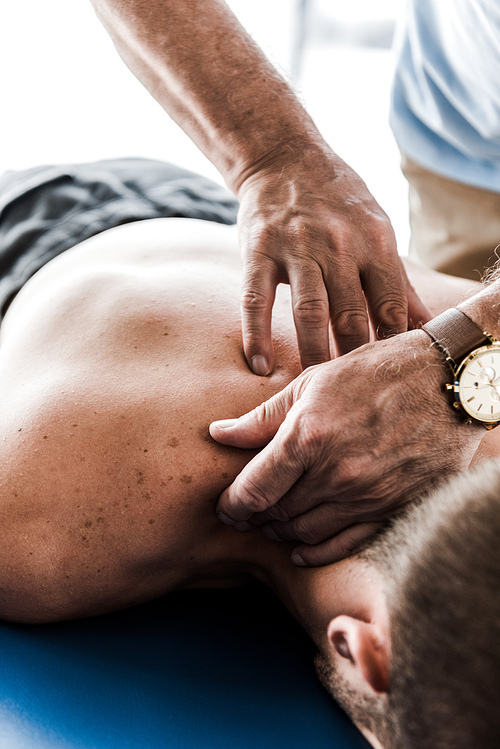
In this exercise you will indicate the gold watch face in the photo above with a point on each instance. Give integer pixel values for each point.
(478, 384)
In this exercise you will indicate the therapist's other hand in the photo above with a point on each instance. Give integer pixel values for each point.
(310, 221)
(350, 442)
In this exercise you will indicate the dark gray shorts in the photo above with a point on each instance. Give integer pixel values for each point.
(46, 210)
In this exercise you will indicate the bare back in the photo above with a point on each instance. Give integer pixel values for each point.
(114, 359)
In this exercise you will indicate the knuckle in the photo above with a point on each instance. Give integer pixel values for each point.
(351, 323)
(307, 433)
(265, 413)
(277, 514)
(302, 529)
(311, 312)
(253, 300)
(392, 314)
(349, 472)
(297, 225)
(342, 547)
(311, 445)
(383, 230)
(347, 249)
(252, 497)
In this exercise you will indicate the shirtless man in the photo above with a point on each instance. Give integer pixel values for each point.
(114, 359)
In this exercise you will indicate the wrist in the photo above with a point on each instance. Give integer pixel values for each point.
(484, 309)
(473, 359)
(431, 361)
(300, 153)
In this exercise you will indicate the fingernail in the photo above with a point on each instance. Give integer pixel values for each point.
(225, 519)
(270, 534)
(297, 560)
(243, 526)
(260, 365)
(224, 423)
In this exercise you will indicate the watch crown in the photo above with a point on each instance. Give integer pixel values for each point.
(449, 386)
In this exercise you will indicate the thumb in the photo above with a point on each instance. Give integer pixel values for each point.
(255, 428)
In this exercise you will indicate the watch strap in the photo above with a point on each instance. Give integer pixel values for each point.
(455, 334)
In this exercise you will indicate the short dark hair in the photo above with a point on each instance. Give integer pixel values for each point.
(441, 565)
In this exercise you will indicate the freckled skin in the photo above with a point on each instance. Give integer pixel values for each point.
(114, 359)
(114, 469)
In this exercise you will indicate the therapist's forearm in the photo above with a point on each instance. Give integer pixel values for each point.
(203, 68)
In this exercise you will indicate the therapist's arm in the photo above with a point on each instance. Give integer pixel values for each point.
(306, 218)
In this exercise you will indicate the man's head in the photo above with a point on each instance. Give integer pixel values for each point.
(426, 672)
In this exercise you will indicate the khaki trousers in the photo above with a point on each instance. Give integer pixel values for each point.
(455, 228)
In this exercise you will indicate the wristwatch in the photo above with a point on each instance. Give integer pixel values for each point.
(474, 359)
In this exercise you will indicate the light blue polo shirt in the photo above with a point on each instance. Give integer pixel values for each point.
(445, 110)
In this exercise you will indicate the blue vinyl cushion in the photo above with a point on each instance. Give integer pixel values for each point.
(213, 669)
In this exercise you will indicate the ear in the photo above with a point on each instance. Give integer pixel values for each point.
(365, 646)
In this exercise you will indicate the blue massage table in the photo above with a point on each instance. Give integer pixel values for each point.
(215, 669)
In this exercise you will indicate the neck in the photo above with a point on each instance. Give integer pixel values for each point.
(316, 595)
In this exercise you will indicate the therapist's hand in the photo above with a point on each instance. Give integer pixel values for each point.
(307, 219)
(350, 442)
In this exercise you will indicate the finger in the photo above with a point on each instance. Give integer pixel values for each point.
(257, 299)
(332, 482)
(348, 311)
(385, 293)
(264, 480)
(311, 313)
(311, 527)
(336, 548)
(304, 496)
(255, 428)
(418, 313)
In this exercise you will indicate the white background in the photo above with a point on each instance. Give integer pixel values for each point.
(66, 95)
